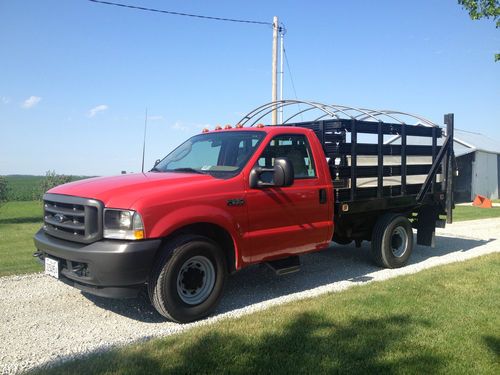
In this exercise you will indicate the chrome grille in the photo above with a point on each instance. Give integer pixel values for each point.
(72, 218)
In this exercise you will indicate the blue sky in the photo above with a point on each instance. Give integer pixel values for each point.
(76, 77)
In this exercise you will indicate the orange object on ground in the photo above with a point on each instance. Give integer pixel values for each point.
(482, 202)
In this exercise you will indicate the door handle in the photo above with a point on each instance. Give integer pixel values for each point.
(322, 196)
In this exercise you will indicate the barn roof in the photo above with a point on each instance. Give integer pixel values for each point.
(476, 142)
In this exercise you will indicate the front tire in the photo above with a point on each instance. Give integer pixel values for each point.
(392, 241)
(188, 280)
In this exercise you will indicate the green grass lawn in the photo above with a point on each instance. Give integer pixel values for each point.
(462, 213)
(442, 320)
(18, 223)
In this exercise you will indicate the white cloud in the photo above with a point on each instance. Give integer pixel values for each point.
(31, 102)
(155, 118)
(5, 99)
(179, 126)
(189, 127)
(97, 109)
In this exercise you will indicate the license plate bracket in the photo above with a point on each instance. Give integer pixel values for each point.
(52, 267)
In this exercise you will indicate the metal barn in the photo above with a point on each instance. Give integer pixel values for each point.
(478, 163)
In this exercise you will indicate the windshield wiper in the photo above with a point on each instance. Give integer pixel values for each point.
(189, 170)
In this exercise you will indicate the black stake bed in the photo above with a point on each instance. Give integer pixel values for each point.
(378, 166)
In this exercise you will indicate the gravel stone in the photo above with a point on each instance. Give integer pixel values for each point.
(44, 321)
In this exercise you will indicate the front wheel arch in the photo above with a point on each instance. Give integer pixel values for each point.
(212, 231)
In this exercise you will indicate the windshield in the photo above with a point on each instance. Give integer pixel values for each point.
(220, 154)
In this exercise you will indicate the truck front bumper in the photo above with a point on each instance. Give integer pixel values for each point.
(107, 268)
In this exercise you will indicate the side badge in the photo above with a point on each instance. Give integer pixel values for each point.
(235, 202)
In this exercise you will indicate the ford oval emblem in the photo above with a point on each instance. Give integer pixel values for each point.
(59, 218)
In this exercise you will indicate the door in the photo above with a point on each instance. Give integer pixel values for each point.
(287, 220)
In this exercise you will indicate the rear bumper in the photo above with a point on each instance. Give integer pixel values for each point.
(107, 268)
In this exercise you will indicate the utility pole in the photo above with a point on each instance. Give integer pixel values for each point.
(275, 69)
(144, 140)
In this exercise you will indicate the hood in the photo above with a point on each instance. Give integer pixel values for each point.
(123, 190)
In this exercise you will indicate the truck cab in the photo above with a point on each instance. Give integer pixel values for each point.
(220, 201)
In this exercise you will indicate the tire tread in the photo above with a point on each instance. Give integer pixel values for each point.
(377, 245)
(168, 254)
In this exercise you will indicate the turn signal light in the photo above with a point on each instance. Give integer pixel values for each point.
(228, 127)
(260, 126)
(239, 126)
(218, 127)
(205, 130)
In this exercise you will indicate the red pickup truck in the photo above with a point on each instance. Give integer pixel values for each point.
(231, 197)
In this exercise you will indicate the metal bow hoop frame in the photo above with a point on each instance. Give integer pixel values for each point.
(334, 111)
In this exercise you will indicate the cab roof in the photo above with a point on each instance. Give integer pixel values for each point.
(270, 129)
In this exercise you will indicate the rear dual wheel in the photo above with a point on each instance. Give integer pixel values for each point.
(188, 280)
(392, 241)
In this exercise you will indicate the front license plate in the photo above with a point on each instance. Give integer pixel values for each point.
(52, 267)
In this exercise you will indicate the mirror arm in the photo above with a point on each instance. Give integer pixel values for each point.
(260, 170)
(265, 184)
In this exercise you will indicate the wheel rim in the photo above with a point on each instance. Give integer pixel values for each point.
(195, 280)
(399, 241)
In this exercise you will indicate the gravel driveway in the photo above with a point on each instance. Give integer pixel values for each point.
(43, 320)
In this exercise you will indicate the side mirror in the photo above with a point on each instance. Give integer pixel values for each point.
(282, 175)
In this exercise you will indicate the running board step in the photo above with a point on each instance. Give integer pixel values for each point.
(285, 266)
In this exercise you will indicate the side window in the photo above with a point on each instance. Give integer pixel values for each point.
(295, 148)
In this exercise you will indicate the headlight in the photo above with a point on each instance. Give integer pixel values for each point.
(123, 225)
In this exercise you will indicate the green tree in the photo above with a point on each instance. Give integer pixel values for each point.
(479, 9)
(51, 179)
(4, 189)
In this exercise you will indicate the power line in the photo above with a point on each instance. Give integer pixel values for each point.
(291, 79)
(181, 14)
(290, 71)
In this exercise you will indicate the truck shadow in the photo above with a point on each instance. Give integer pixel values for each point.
(259, 283)
(139, 309)
(307, 343)
(337, 264)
